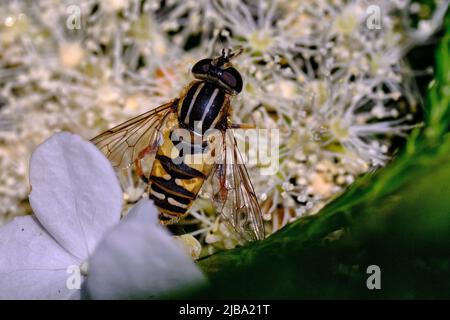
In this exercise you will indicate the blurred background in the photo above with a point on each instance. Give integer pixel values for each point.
(343, 81)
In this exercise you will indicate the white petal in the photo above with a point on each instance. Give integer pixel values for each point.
(32, 264)
(75, 193)
(139, 259)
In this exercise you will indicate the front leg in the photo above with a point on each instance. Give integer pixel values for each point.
(242, 126)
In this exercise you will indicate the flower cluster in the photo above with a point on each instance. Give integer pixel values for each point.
(328, 74)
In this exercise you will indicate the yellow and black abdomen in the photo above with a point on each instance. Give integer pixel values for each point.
(183, 162)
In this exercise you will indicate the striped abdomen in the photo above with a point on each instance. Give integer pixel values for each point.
(180, 169)
(174, 187)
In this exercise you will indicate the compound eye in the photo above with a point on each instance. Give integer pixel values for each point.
(202, 67)
(232, 79)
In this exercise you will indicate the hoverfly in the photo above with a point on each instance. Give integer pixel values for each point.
(173, 185)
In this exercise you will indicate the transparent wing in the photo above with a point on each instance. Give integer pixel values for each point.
(125, 143)
(233, 193)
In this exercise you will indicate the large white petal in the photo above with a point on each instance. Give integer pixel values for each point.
(139, 259)
(75, 193)
(32, 264)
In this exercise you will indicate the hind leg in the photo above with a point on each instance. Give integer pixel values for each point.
(137, 163)
(242, 126)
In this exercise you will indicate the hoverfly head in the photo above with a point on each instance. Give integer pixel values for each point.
(220, 70)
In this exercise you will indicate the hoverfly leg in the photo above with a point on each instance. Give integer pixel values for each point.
(139, 171)
(223, 193)
(242, 126)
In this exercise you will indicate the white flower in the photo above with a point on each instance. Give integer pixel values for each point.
(76, 199)
(139, 259)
